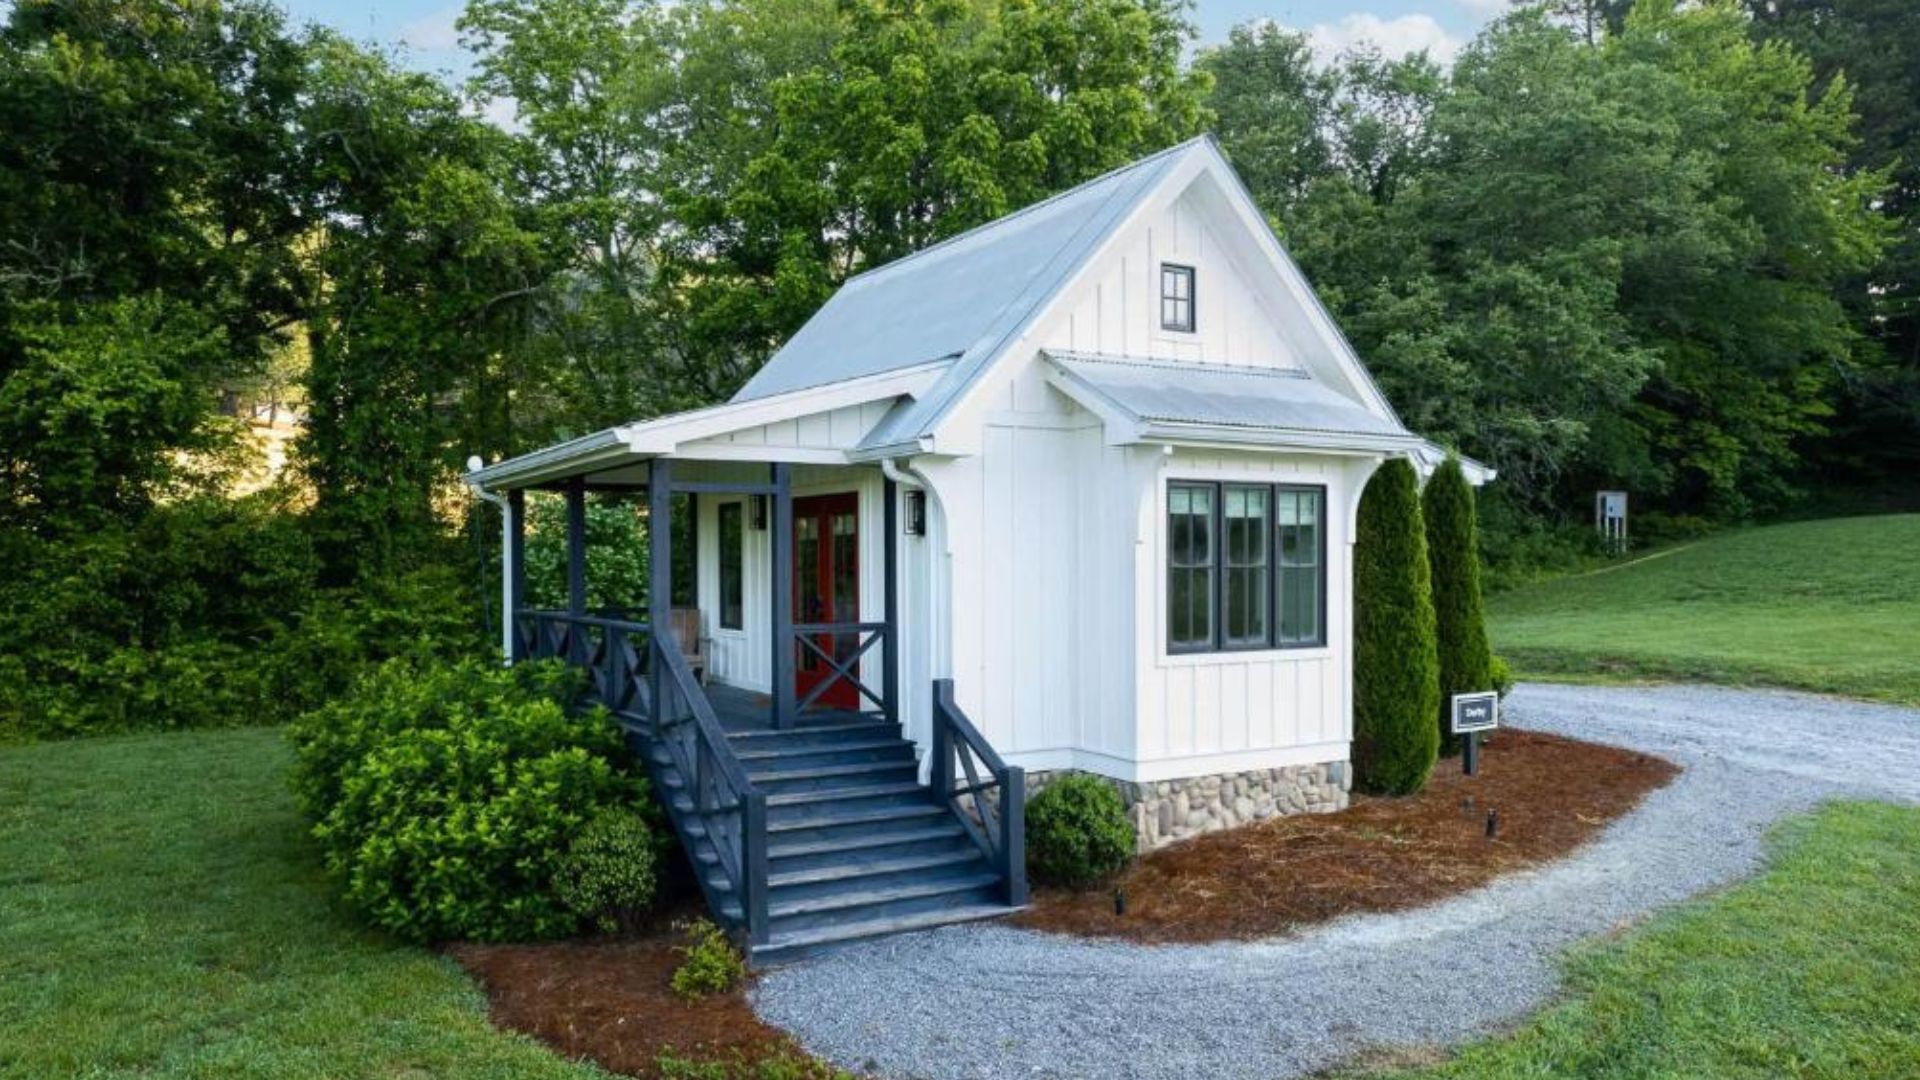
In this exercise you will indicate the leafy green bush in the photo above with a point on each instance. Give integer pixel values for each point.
(617, 555)
(1078, 832)
(1502, 675)
(446, 796)
(1396, 668)
(608, 876)
(1460, 620)
(712, 964)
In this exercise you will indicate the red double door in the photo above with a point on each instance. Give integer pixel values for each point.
(826, 589)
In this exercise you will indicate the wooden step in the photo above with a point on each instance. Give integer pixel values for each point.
(793, 944)
(854, 871)
(850, 793)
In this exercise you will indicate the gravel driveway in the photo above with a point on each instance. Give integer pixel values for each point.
(993, 1001)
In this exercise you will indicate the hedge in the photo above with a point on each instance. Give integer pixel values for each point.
(1453, 552)
(1396, 683)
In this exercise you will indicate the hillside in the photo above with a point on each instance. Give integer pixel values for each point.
(1832, 606)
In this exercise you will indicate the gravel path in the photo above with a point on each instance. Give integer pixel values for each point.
(993, 1001)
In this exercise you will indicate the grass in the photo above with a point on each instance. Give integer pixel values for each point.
(160, 916)
(1805, 971)
(1831, 606)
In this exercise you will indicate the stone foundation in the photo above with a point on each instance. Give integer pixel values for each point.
(1164, 811)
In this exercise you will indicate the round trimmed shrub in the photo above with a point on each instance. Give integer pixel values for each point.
(1460, 620)
(447, 797)
(1396, 667)
(1077, 832)
(609, 873)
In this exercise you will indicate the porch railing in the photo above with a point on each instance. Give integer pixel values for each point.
(848, 644)
(643, 679)
(992, 802)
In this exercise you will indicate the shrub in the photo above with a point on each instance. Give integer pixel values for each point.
(1078, 832)
(608, 875)
(1460, 621)
(446, 796)
(1396, 679)
(1502, 675)
(712, 964)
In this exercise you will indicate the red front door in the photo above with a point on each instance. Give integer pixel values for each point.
(826, 589)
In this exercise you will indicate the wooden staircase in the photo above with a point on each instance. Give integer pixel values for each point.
(809, 836)
(856, 846)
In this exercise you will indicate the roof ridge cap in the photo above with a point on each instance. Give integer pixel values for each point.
(1029, 208)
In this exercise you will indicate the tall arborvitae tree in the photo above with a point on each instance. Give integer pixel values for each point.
(1453, 552)
(1396, 681)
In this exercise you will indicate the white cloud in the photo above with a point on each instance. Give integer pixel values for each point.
(1486, 8)
(1395, 37)
(433, 32)
(503, 113)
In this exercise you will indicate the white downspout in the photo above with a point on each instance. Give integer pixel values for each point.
(506, 545)
(937, 584)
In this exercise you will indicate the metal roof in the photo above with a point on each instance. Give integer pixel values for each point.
(1213, 395)
(961, 297)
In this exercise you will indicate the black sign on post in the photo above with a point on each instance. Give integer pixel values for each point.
(1472, 714)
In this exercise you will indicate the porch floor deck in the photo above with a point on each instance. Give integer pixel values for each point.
(749, 710)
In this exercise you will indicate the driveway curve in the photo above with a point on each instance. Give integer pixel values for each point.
(994, 1001)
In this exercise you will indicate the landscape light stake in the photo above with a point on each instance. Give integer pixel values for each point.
(1119, 901)
(1493, 823)
(1466, 806)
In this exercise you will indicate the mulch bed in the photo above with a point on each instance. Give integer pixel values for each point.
(1380, 854)
(608, 1001)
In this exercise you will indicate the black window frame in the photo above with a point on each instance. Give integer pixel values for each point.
(736, 559)
(1274, 641)
(1176, 271)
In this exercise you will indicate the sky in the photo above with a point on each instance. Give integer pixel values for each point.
(424, 31)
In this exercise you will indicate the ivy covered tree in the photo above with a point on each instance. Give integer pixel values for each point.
(1396, 676)
(1460, 621)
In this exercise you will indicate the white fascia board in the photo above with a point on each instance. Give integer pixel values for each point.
(664, 435)
(584, 454)
(1240, 437)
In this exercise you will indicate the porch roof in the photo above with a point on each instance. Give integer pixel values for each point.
(615, 452)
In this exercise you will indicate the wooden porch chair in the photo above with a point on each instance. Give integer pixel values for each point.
(685, 624)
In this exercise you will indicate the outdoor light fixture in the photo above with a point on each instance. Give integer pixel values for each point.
(916, 512)
(759, 513)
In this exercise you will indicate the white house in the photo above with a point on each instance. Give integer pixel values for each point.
(1096, 463)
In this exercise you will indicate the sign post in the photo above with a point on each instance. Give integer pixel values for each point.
(1472, 714)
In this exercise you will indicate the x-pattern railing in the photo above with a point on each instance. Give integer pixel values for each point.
(991, 803)
(844, 664)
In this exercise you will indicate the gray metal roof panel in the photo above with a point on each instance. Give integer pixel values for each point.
(960, 297)
(1181, 392)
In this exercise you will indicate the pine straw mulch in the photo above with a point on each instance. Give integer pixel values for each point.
(1380, 854)
(607, 1000)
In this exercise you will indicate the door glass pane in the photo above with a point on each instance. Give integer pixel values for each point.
(806, 579)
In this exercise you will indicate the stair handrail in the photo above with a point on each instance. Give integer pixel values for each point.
(997, 825)
(730, 809)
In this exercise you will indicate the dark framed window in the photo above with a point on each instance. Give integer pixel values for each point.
(1246, 566)
(732, 566)
(1176, 297)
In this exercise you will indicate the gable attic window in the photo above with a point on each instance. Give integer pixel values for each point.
(1176, 297)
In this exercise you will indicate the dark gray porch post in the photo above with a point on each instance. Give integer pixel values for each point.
(516, 570)
(577, 546)
(890, 673)
(660, 570)
(782, 577)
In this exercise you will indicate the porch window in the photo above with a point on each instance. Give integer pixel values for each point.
(1176, 297)
(1246, 566)
(732, 566)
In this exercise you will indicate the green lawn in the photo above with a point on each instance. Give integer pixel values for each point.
(160, 916)
(1831, 606)
(1806, 971)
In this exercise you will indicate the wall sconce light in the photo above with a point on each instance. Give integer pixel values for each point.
(916, 512)
(759, 513)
